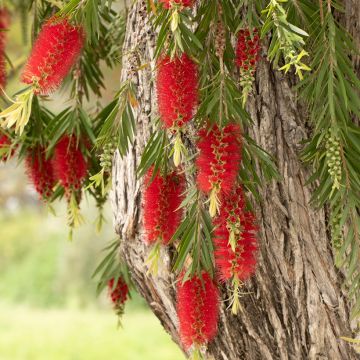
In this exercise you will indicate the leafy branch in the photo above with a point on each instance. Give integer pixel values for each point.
(287, 39)
(332, 91)
(111, 267)
(120, 122)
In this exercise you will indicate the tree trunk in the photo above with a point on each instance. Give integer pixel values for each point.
(294, 308)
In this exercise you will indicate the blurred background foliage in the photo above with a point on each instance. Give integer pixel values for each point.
(48, 303)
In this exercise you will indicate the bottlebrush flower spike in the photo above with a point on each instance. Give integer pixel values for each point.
(70, 168)
(177, 92)
(162, 198)
(55, 51)
(69, 164)
(218, 162)
(247, 56)
(197, 310)
(40, 172)
(4, 24)
(118, 294)
(235, 242)
(170, 3)
(5, 148)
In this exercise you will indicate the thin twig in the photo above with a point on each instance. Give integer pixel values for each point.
(321, 12)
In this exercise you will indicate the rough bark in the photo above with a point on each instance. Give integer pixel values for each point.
(294, 307)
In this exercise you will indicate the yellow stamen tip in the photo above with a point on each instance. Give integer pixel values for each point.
(214, 206)
(153, 260)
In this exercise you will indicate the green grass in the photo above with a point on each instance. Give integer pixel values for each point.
(48, 334)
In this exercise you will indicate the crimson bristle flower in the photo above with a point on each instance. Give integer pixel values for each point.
(235, 242)
(170, 3)
(5, 145)
(197, 310)
(118, 293)
(55, 51)
(247, 56)
(177, 90)
(40, 172)
(235, 238)
(247, 50)
(69, 163)
(4, 24)
(218, 162)
(163, 195)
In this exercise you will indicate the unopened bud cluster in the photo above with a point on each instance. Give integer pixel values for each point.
(333, 159)
(336, 233)
(107, 155)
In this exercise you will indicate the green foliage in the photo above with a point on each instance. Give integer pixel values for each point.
(120, 122)
(194, 234)
(107, 48)
(88, 13)
(332, 92)
(110, 267)
(174, 32)
(153, 153)
(287, 39)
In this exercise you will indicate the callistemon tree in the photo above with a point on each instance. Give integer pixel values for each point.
(230, 154)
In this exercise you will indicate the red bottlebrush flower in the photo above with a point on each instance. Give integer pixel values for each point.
(5, 144)
(218, 162)
(197, 310)
(119, 292)
(177, 89)
(169, 3)
(162, 198)
(247, 50)
(235, 242)
(55, 51)
(40, 172)
(235, 238)
(69, 164)
(4, 24)
(247, 56)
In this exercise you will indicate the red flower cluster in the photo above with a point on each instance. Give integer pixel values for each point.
(219, 160)
(55, 51)
(69, 164)
(40, 172)
(177, 89)
(235, 238)
(119, 292)
(168, 3)
(162, 198)
(247, 50)
(5, 143)
(197, 310)
(4, 24)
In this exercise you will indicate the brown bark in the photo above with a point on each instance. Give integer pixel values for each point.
(295, 308)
